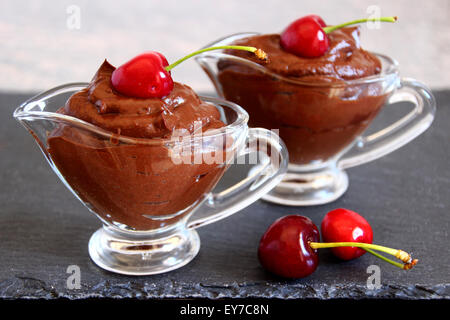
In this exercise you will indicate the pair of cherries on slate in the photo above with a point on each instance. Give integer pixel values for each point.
(289, 246)
(148, 75)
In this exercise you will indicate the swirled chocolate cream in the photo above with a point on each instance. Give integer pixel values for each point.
(313, 102)
(123, 168)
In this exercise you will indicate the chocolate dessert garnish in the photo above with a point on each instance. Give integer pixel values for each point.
(148, 75)
(308, 36)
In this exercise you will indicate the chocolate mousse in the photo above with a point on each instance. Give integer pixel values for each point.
(312, 101)
(128, 177)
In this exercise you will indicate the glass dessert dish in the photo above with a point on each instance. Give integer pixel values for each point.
(321, 123)
(144, 190)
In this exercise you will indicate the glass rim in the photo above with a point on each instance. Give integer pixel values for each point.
(23, 112)
(390, 71)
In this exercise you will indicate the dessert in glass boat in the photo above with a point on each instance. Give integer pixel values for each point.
(321, 90)
(144, 153)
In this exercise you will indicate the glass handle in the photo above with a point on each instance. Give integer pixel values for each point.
(271, 165)
(378, 144)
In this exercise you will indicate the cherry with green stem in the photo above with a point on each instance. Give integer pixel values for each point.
(344, 225)
(289, 248)
(148, 75)
(308, 36)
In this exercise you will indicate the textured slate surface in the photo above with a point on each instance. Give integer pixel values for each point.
(405, 196)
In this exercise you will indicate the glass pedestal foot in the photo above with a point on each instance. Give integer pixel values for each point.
(308, 189)
(145, 254)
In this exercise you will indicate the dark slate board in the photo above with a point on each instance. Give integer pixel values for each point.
(405, 196)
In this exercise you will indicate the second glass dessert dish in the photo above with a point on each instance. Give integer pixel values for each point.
(120, 157)
(320, 118)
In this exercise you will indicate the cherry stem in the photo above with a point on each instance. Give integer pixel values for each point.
(394, 263)
(399, 254)
(258, 52)
(382, 19)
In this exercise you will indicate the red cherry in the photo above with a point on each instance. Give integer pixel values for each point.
(284, 248)
(144, 76)
(305, 37)
(289, 246)
(342, 225)
(317, 18)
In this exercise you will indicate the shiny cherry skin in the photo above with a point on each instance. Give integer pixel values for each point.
(305, 37)
(284, 248)
(343, 225)
(144, 76)
(317, 18)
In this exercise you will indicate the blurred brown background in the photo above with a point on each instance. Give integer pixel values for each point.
(47, 43)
